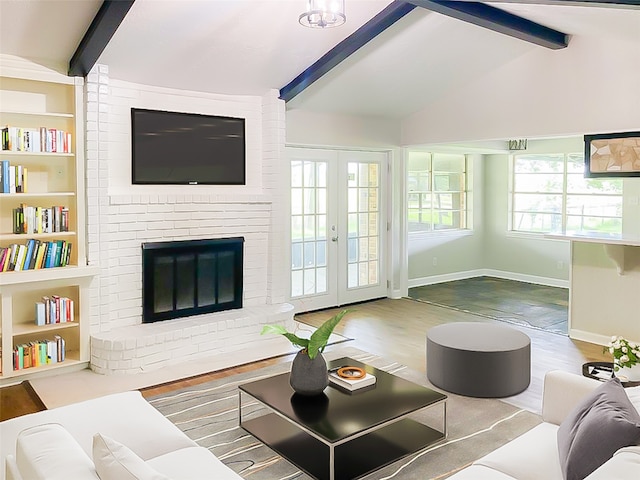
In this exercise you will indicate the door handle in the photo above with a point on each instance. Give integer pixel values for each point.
(334, 239)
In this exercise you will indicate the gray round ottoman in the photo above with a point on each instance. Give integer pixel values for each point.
(478, 359)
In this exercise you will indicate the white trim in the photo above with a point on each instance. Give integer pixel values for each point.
(487, 272)
(447, 277)
(596, 338)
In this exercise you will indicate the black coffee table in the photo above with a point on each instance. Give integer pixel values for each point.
(340, 435)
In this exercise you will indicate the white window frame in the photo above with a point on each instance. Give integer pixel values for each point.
(565, 194)
(431, 211)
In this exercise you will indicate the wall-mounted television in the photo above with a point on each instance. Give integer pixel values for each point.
(175, 148)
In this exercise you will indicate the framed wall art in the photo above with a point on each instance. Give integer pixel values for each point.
(612, 154)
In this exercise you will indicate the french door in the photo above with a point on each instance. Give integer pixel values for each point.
(338, 227)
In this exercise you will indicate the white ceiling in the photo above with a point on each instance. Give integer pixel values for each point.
(251, 46)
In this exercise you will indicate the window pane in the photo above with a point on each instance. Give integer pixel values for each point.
(296, 174)
(296, 283)
(538, 182)
(321, 280)
(309, 201)
(309, 254)
(309, 281)
(321, 253)
(537, 222)
(601, 206)
(594, 224)
(322, 226)
(539, 164)
(352, 250)
(309, 227)
(590, 204)
(453, 163)
(296, 256)
(538, 203)
(309, 174)
(296, 201)
(296, 228)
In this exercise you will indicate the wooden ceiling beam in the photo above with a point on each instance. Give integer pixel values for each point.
(378, 24)
(98, 35)
(497, 20)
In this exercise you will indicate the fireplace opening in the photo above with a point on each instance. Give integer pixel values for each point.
(192, 277)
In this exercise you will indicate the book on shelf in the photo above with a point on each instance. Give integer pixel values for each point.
(22, 139)
(39, 352)
(29, 220)
(5, 176)
(14, 178)
(352, 384)
(54, 309)
(34, 255)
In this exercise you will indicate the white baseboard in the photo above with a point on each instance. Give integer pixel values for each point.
(447, 277)
(596, 338)
(486, 272)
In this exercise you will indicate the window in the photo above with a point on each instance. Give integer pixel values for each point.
(437, 196)
(550, 194)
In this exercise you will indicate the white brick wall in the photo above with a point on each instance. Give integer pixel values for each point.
(122, 216)
(147, 347)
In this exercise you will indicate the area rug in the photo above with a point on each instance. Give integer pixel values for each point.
(520, 303)
(208, 414)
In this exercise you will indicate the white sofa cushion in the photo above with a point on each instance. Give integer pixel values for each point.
(114, 461)
(125, 416)
(531, 456)
(624, 465)
(49, 452)
(195, 463)
(480, 472)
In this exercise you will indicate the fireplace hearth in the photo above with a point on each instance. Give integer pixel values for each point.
(184, 278)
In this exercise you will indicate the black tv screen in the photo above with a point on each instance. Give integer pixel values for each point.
(186, 148)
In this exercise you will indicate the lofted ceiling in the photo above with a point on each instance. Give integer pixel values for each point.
(252, 46)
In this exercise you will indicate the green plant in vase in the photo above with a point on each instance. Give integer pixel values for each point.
(309, 375)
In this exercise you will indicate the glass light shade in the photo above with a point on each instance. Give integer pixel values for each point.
(323, 13)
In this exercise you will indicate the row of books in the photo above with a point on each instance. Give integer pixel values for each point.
(30, 220)
(54, 309)
(39, 352)
(35, 255)
(13, 178)
(21, 139)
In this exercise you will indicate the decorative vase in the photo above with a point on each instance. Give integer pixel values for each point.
(629, 374)
(308, 377)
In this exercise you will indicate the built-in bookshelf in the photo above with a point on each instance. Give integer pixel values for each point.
(42, 112)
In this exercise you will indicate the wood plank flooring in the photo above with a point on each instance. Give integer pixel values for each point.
(396, 329)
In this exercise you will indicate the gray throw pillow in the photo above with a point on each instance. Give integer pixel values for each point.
(601, 424)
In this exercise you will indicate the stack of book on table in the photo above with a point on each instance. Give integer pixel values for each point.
(351, 384)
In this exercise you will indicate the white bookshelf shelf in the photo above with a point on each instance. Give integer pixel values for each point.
(22, 329)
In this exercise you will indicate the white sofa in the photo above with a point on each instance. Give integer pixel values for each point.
(57, 444)
(534, 455)
(130, 420)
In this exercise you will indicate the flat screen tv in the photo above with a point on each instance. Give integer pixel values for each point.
(175, 148)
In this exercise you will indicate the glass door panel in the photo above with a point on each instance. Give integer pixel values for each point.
(336, 222)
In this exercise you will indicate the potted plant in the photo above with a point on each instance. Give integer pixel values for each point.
(309, 375)
(626, 358)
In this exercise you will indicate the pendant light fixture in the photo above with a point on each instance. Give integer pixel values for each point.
(323, 14)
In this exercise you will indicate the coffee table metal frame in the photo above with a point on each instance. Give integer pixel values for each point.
(351, 455)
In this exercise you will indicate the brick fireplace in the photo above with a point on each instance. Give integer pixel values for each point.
(122, 217)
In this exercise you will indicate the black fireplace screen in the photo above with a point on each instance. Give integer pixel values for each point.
(191, 277)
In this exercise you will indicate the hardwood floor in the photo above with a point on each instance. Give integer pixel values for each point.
(18, 400)
(396, 329)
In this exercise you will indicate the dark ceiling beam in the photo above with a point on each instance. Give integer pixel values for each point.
(102, 28)
(587, 3)
(378, 24)
(497, 20)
